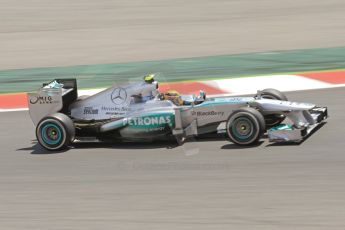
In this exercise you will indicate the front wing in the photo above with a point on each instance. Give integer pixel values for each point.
(298, 132)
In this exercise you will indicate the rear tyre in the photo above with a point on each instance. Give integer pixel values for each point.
(245, 126)
(55, 132)
(273, 119)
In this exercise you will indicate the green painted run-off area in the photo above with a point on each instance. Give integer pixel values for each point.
(187, 69)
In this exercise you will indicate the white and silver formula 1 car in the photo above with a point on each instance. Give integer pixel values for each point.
(137, 111)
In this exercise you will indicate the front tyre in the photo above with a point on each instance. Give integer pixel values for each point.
(55, 132)
(245, 126)
(273, 119)
(273, 94)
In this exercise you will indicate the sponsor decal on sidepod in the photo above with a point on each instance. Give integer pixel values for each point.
(150, 121)
(208, 113)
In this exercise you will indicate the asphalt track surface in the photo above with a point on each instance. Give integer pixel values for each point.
(41, 33)
(207, 184)
(201, 185)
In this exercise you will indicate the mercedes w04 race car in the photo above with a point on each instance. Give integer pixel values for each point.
(137, 111)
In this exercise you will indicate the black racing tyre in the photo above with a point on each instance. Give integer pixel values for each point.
(55, 132)
(273, 94)
(245, 126)
(273, 119)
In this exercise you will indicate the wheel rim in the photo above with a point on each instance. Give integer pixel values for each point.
(242, 128)
(51, 134)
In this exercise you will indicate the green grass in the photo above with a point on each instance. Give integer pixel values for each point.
(180, 70)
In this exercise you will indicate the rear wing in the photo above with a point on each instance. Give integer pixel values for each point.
(52, 97)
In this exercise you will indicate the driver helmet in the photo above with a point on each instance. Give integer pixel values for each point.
(149, 78)
(173, 96)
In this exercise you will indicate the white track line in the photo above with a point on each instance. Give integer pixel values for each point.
(283, 83)
(13, 110)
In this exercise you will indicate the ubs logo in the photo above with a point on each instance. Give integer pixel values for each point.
(90, 111)
(119, 96)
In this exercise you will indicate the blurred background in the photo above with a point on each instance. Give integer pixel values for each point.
(182, 40)
(46, 33)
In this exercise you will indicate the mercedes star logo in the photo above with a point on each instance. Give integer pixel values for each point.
(119, 96)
